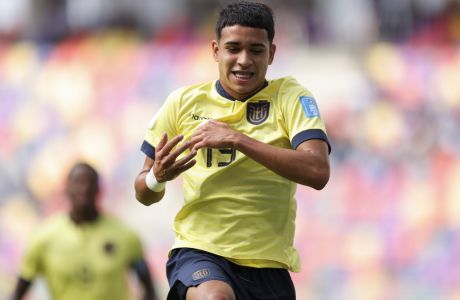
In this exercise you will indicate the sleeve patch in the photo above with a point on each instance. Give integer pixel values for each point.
(309, 106)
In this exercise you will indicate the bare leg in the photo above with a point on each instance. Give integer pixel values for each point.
(211, 290)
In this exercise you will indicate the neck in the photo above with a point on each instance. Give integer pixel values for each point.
(231, 96)
(79, 217)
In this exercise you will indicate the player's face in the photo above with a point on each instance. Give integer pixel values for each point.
(82, 188)
(243, 55)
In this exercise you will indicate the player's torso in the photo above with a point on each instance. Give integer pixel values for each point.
(234, 206)
(87, 258)
(225, 184)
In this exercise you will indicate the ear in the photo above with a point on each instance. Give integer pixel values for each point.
(272, 53)
(215, 50)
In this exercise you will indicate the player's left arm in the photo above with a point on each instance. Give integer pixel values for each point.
(308, 164)
(142, 271)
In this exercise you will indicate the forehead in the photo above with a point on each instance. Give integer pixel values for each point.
(244, 34)
(81, 172)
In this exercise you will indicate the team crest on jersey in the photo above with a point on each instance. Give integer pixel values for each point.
(109, 248)
(200, 274)
(257, 112)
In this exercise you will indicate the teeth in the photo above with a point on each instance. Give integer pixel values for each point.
(242, 75)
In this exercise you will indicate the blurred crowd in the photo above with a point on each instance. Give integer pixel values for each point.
(81, 79)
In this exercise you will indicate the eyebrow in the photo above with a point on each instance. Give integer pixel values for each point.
(231, 43)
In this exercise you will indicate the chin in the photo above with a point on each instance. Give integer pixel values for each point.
(246, 92)
(242, 88)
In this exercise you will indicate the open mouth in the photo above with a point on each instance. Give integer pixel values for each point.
(243, 75)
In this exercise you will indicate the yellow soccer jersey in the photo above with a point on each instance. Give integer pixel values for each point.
(235, 207)
(88, 261)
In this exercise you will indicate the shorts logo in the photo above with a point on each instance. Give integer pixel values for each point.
(257, 112)
(200, 274)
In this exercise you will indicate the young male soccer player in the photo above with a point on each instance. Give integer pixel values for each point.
(242, 143)
(85, 254)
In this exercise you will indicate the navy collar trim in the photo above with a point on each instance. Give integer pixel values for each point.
(226, 95)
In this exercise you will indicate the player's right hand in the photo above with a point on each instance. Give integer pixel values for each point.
(166, 165)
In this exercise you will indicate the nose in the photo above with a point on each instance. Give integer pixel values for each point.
(84, 187)
(244, 58)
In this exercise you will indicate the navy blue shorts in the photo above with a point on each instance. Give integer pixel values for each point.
(190, 267)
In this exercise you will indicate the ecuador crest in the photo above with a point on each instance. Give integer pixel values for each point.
(257, 112)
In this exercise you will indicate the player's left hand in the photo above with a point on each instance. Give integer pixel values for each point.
(213, 134)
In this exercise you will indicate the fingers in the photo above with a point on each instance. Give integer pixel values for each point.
(185, 163)
(194, 141)
(212, 134)
(186, 166)
(184, 160)
(163, 173)
(162, 142)
(198, 145)
(171, 158)
(166, 145)
(166, 166)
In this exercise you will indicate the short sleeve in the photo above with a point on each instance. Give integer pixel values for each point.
(164, 121)
(32, 261)
(301, 114)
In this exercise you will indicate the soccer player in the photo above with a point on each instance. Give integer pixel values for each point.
(242, 144)
(85, 254)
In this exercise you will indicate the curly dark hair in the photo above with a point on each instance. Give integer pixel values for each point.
(88, 167)
(250, 14)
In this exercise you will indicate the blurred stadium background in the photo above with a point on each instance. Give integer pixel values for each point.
(81, 79)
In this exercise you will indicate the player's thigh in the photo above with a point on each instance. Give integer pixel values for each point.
(211, 290)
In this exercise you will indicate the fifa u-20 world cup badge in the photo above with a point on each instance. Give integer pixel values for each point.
(257, 112)
(309, 106)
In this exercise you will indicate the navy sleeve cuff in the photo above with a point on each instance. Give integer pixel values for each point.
(148, 149)
(311, 134)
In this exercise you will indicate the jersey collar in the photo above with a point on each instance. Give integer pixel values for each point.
(226, 95)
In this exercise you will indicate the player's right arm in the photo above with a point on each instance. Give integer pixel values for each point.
(31, 265)
(165, 166)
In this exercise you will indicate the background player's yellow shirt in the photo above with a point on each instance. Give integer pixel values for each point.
(235, 207)
(88, 261)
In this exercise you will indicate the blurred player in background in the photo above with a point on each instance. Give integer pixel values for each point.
(242, 143)
(85, 254)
